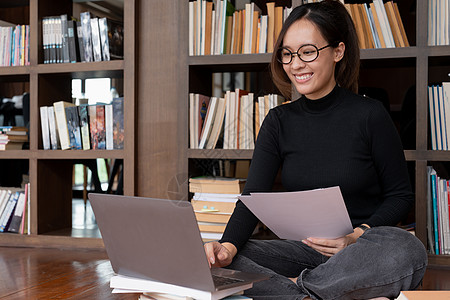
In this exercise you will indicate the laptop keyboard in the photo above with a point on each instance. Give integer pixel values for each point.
(220, 280)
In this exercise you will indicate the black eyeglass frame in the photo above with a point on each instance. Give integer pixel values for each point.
(299, 56)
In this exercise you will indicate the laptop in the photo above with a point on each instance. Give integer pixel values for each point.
(159, 240)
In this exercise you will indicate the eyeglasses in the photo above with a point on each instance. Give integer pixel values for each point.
(306, 53)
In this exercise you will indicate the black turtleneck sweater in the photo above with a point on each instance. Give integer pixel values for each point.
(342, 139)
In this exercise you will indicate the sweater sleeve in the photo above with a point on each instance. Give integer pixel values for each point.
(263, 170)
(389, 161)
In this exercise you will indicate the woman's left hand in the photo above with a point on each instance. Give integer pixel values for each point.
(330, 247)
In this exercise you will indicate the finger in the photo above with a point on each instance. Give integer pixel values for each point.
(209, 249)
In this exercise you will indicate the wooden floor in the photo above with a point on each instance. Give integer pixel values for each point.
(28, 273)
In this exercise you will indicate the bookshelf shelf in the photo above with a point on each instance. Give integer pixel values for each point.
(99, 68)
(79, 154)
(44, 240)
(15, 154)
(19, 70)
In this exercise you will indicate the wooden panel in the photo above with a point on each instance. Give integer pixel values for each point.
(162, 98)
(54, 185)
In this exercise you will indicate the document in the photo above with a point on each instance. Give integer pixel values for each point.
(319, 213)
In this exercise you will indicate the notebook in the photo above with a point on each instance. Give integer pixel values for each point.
(159, 240)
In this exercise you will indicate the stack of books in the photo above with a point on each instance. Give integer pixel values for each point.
(438, 218)
(219, 28)
(89, 39)
(15, 210)
(12, 137)
(15, 45)
(213, 202)
(378, 24)
(439, 109)
(65, 125)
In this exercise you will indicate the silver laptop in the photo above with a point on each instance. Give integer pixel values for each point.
(159, 240)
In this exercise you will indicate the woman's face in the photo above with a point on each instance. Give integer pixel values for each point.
(313, 79)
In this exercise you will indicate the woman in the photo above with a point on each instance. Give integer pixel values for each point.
(329, 137)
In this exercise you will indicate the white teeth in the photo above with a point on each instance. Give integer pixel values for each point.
(303, 77)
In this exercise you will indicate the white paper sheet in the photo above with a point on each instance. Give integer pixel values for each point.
(319, 213)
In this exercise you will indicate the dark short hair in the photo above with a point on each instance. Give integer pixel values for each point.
(336, 25)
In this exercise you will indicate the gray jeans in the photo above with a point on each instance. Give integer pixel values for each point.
(382, 262)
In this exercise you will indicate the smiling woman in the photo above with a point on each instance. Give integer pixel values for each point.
(328, 137)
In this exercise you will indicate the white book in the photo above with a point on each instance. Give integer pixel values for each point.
(218, 26)
(217, 124)
(54, 138)
(430, 22)
(45, 128)
(248, 28)
(261, 110)
(232, 198)
(241, 128)
(442, 117)
(3, 194)
(438, 118)
(233, 121)
(142, 285)
(207, 126)
(109, 117)
(198, 40)
(196, 116)
(263, 35)
(191, 28)
(432, 117)
(191, 120)
(226, 129)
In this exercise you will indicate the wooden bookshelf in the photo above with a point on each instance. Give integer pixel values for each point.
(50, 171)
(406, 67)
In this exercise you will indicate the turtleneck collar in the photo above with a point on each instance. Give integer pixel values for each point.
(321, 104)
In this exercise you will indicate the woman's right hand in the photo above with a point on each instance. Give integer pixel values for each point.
(219, 255)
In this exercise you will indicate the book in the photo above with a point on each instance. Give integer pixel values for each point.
(80, 41)
(223, 185)
(118, 125)
(54, 135)
(73, 127)
(61, 123)
(217, 124)
(45, 127)
(101, 126)
(270, 26)
(142, 285)
(109, 137)
(65, 39)
(85, 19)
(17, 215)
(208, 122)
(72, 41)
(104, 40)
(95, 36)
(115, 39)
(5, 219)
(84, 127)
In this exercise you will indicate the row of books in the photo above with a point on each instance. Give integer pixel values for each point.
(91, 39)
(15, 45)
(236, 117)
(438, 218)
(13, 137)
(15, 210)
(439, 111)
(438, 22)
(67, 126)
(213, 202)
(378, 24)
(219, 28)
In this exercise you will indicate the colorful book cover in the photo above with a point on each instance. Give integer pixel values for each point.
(118, 126)
(84, 127)
(92, 112)
(73, 125)
(101, 126)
